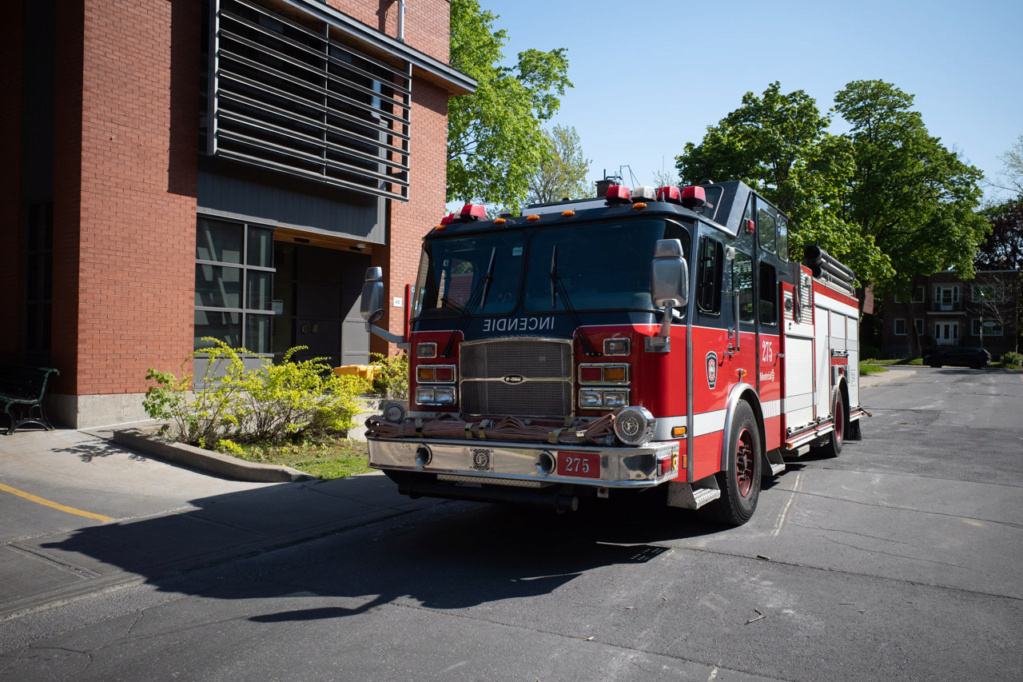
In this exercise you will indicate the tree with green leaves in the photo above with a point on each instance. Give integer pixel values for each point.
(562, 171)
(887, 198)
(495, 138)
(1003, 248)
(779, 144)
(913, 197)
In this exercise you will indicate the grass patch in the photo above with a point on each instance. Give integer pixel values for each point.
(324, 458)
(869, 367)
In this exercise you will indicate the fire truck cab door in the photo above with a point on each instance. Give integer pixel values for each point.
(742, 334)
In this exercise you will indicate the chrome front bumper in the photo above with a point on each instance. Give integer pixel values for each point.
(517, 464)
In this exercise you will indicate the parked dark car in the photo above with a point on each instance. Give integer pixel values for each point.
(960, 356)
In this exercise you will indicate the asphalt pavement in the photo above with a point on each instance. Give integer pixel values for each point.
(897, 560)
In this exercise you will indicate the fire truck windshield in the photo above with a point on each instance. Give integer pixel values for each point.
(452, 269)
(605, 266)
(602, 266)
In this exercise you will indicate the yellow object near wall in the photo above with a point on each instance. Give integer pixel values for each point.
(365, 371)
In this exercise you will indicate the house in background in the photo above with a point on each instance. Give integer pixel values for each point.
(210, 168)
(945, 310)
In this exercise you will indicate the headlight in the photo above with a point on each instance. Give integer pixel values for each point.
(436, 395)
(445, 396)
(616, 398)
(634, 425)
(589, 398)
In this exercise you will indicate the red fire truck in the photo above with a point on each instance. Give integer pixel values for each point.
(648, 340)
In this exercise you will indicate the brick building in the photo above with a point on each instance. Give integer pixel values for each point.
(225, 168)
(947, 311)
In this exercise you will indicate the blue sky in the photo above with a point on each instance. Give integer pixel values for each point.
(650, 76)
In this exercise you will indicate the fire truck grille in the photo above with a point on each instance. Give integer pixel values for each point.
(516, 378)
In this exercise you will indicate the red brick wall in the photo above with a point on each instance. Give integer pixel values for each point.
(426, 21)
(410, 220)
(138, 185)
(11, 225)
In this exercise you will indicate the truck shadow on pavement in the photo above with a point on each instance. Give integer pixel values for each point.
(357, 541)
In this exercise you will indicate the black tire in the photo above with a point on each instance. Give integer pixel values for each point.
(834, 445)
(740, 485)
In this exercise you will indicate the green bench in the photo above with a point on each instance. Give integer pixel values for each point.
(22, 390)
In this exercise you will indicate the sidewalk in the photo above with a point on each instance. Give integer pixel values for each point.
(882, 378)
(81, 514)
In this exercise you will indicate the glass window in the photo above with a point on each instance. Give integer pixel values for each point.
(219, 241)
(220, 325)
(605, 266)
(783, 237)
(259, 290)
(234, 284)
(257, 333)
(708, 286)
(713, 194)
(261, 247)
(986, 293)
(990, 327)
(453, 271)
(768, 291)
(900, 327)
(742, 281)
(217, 286)
(767, 229)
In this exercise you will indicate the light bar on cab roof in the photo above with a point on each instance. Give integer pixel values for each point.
(672, 195)
(445, 221)
(644, 193)
(694, 197)
(474, 212)
(618, 194)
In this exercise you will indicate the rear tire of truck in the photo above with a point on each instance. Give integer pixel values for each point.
(740, 484)
(834, 445)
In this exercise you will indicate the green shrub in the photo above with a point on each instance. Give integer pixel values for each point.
(284, 399)
(229, 447)
(1012, 358)
(200, 416)
(266, 403)
(391, 378)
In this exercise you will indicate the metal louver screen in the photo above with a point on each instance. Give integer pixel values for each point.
(288, 97)
(517, 377)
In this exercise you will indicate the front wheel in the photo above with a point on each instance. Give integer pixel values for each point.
(740, 484)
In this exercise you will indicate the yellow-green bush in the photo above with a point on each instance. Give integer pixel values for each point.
(265, 403)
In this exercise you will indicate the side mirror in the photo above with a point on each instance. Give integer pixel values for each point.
(372, 306)
(669, 275)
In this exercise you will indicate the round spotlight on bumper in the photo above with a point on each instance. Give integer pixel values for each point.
(394, 413)
(634, 425)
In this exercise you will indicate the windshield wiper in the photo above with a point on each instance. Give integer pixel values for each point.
(478, 299)
(558, 289)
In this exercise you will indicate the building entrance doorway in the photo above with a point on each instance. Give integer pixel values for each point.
(317, 291)
(946, 333)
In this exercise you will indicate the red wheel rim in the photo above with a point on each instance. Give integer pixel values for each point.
(744, 462)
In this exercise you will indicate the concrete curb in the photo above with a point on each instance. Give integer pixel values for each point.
(213, 462)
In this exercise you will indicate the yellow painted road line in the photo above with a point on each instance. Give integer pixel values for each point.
(48, 503)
